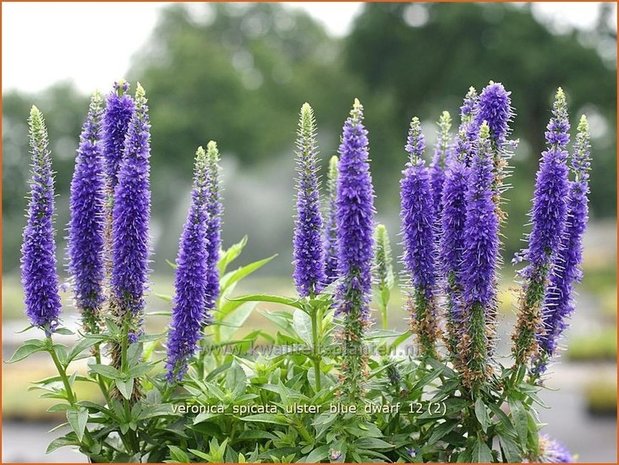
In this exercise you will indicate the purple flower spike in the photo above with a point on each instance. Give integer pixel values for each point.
(480, 258)
(309, 266)
(558, 305)
(481, 230)
(355, 223)
(38, 251)
(494, 107)
(439, 161)
(355, 218)
(418, 235)
(330, 241)
(548, 217)
(214, 210)
(190, 300)
(552, 451)
(118, 113)
(132, 214)
(86, 227)
(417, 215)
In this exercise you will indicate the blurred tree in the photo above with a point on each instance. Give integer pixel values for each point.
(239, 74)
(421, 58)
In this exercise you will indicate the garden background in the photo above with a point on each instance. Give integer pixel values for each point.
(239, 73)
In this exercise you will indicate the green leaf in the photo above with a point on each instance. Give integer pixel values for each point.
(236, 379)
(80, 347)
(520, 419)
(231, 254)
(59, 408)
(218, 370)
(482, 414)
(296, 303)
(511, 451)
(78, 419)
(234, 276)
(165, 298)
(441, 430)
(27, 328)
(234, 320)
(125, 387)
(318, 454)
(201, 455)
(373, 443)
(64, 331)
(106, 371)
(481, 453)
(302, 324)
(178, 455)
(64, 441)
(276, 419)
(503, 418)
(27, 349)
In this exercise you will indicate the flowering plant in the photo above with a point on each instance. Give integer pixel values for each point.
(329, 387)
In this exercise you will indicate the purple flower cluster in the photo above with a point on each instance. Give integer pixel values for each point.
(565, 271)
(548, 216)
(309, 265)
(480, 259)
(481, 230)
(551, 187)
(417, 214)
(494, 107)
(355, 216)
(38, 252)
(131, 214)
(552, 451)
(118, 113)
(355, 242)
(86, 226)
(190, 301)
(330, 240)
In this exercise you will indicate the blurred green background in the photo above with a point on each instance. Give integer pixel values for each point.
(239, 74)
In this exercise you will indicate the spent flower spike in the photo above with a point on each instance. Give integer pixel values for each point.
(383, 270)
(38, 251)
(214, 210)
(86, 226)
(309, 265)
(330, 240)
(439, 162)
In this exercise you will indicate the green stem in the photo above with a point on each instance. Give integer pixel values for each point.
(383, 314)
(100, 380)
(62, 372)
(316, 316)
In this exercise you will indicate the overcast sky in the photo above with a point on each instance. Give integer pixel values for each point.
(92, 43)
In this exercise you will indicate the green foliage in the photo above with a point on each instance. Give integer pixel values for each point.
(244, 401)
(593, 347)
